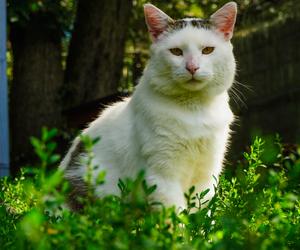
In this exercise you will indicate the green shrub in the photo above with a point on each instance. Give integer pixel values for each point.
(257, 207)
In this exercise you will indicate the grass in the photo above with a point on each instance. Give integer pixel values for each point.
(256, 207)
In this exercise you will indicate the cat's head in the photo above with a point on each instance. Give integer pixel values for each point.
(191, 54)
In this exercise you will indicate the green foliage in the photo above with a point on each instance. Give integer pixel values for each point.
(257, 208)
(60, 13)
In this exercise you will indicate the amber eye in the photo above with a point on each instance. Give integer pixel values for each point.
(176, 51)
(207, 50)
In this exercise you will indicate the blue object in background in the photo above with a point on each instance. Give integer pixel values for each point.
(4, 135)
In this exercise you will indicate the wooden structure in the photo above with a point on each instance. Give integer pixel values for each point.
(4, 134)
(268, 63)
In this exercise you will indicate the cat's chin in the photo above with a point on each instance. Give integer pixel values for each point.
(194, 85)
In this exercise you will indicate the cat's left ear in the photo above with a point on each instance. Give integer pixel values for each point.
(224, 19)
(157, 21)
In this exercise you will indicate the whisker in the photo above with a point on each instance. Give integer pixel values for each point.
(239, 92)
(243, 85)
(237, 97)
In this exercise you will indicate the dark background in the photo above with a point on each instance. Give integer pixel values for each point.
(68, 58)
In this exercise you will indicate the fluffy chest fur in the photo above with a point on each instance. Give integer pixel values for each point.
(186, 144)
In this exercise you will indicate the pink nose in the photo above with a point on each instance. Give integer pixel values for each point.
(192, 68)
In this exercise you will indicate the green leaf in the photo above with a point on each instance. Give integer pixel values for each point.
(101, 178)
(54, 158)
(203, 193)
(35, 142)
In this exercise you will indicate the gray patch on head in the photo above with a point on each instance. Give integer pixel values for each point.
(194, 22)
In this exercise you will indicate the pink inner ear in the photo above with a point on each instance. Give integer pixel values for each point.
(157, 21)
(155, 25)
(227, 26)
(224, 19)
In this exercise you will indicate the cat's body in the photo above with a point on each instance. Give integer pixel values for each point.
(176, 124)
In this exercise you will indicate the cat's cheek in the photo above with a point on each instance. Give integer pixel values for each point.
(176, 61)
(164, 57)
(176, 68)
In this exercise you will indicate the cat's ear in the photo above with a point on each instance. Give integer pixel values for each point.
(224, 19)
(157, 21)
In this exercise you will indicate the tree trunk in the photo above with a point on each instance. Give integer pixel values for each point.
(38, 78)
(95, 56)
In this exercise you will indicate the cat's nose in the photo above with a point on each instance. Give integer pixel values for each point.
(192, 68)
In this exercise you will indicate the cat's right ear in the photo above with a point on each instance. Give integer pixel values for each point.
(157, 21)
(224, 19)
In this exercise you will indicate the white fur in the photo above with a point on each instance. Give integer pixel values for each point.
(174, 129)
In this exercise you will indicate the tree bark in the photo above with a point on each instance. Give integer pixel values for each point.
(96, 50)
(37, 82)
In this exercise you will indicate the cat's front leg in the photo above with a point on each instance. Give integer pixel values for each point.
(168, 191)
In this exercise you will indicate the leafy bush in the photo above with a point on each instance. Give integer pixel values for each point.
(256, 208)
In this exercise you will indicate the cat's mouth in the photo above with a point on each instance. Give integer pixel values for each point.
(193, 80)
(196, 83)
(198, 79)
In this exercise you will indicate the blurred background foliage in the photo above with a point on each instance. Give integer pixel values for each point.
(252, 15)
(68, 55)
(62, 12)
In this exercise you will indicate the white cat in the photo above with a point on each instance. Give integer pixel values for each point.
(176, 124)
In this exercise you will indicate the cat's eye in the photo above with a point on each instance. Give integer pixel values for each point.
(207, 50)
(176, 51)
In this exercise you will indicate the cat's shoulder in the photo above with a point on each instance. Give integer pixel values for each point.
(111, 115)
